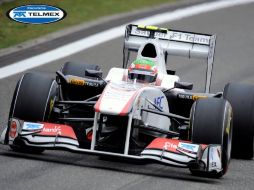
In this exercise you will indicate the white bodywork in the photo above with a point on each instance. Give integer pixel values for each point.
(123, 98)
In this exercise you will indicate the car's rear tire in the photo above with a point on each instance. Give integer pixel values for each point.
(241, 97)
(78, 68)
(211, 124)
(32, 101)
(74, 92)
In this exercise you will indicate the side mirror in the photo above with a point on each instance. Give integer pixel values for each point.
(61, 77)
(184, 85)
(93, 73)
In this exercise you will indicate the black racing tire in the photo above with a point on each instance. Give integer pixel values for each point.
(32, 101)
(241, 97)
(211, 123)
(78, 68)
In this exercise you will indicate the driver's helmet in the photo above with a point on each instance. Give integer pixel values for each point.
(143, 70)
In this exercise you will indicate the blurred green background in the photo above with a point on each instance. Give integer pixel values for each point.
(78, 11)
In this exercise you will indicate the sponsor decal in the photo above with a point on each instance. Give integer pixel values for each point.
(196, 97)
(36, 14)
(55, 129)
(32, 126)
(169, 145)
(164, 144)
(158, 101)
(189, 148)
(136, 31)
(50, 129)
(185, 96)
(164, 33)
(160, 35)
(92, 84)
(78, 82)
(187, 37)
(13, 129)
(190, 96)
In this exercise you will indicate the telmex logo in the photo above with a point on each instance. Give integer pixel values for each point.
(36, 14)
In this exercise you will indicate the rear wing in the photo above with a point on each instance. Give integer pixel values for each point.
(173, 42)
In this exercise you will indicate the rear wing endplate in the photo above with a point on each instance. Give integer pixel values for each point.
(173, 42)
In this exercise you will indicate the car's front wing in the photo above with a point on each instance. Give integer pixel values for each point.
(167, 151)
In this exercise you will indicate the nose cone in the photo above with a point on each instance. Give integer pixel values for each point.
(116, 100)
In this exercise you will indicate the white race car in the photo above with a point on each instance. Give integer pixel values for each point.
(141, 111)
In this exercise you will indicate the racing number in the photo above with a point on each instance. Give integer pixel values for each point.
(158, 101)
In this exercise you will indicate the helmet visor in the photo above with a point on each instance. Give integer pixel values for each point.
(142, 76)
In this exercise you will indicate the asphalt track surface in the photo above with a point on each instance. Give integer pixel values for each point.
(234, 62)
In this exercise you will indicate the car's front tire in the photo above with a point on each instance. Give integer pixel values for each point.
(211, 124)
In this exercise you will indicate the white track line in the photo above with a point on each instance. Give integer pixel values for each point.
(113, 33)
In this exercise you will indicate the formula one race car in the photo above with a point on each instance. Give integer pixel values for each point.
(141, 111)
